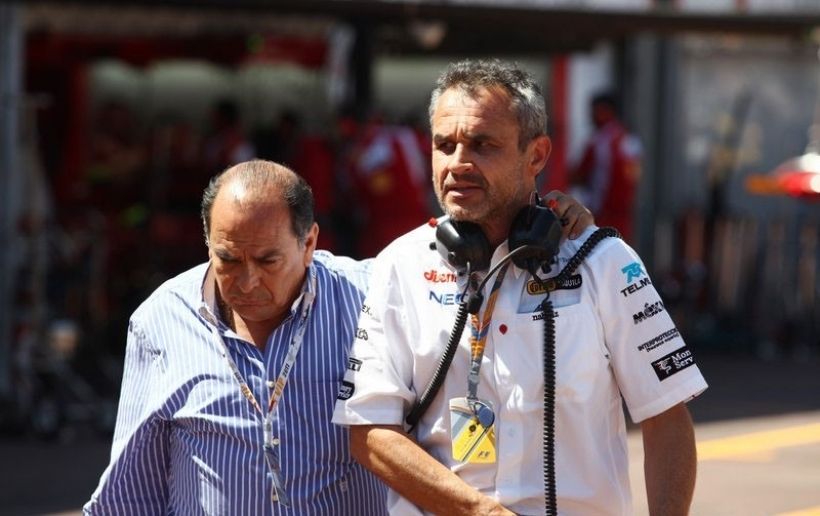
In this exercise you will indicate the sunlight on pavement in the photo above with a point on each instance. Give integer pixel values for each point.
(757, 445)
(812, 511)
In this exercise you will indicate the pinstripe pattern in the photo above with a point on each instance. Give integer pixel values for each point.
(187, 442)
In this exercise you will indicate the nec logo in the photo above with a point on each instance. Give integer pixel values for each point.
(675, 361)
(633, 271)
(435, 276)
(445, 299)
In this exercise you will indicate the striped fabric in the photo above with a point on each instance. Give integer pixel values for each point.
(188, 443)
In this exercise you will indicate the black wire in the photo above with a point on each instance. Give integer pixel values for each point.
(550, 497)
(548, 314)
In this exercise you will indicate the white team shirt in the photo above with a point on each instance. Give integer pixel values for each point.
(614, 338)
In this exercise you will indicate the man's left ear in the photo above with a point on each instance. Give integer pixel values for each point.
(541, 147)
(310, 243)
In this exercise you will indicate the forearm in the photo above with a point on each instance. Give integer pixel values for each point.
(403, 465)
(670, 462)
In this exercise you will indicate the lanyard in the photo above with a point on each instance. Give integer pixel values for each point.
(478, 339)
(271, 454)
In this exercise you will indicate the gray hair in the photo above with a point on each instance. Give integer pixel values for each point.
(261, 176)
(526, 99)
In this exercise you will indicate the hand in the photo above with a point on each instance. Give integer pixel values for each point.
(575, 218)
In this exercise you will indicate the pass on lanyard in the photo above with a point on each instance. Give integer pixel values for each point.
(272, 458)
(472, 420)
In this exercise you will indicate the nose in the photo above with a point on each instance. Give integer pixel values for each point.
(460, 160)
(248, 279)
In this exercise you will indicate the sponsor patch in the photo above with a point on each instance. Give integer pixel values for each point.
(633, 271)
(354, 364)
(346, 390)
(366, 310)
(649, 310)
(634, 287)
(661, 339)
(446, 299)
(672, 363)
(535, 288)
(540, 315)
(435, 276)
(361, 334)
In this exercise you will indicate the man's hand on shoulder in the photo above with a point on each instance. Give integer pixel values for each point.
(575, 218)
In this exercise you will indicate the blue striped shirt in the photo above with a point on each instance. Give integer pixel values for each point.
(187, 441)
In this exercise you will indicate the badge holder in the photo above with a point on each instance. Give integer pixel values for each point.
(472, 431)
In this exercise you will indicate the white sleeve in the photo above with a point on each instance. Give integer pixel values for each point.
(653, 367)
(377, 387)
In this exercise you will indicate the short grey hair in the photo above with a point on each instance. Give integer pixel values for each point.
(261, 177)
(526, 99)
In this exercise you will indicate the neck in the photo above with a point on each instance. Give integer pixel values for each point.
(256, 332)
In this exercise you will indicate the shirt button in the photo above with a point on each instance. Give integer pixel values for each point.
(275, 441)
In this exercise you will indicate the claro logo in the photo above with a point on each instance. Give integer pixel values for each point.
(435, 276)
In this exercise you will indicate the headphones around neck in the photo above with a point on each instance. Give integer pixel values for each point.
(465, 246)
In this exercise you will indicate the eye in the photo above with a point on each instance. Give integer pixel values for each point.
(445, 147)
(482, 145)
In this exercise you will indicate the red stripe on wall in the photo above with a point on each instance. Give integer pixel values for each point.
(556, 169)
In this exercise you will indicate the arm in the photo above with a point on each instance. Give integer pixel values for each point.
(403, 465)
(135, 480)
(670, 461)
(568, 209)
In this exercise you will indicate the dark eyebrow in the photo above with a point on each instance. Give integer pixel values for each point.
(223, 254)
(267, 255)
(438, 138)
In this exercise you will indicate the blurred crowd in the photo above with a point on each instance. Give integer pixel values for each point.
(131, 219)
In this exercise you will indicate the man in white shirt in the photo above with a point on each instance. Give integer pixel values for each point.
(485, 453)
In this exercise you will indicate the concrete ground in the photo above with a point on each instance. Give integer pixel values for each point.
(757, 426)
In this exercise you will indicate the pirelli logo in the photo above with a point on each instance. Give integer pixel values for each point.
(535, 288)
(673, 363)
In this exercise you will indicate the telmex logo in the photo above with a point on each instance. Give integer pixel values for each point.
(634, 287)
(440, 277)
(633, 271)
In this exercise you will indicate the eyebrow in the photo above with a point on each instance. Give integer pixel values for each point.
(226, 254)
(469, 136)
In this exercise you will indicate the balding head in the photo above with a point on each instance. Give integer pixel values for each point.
(259, 182)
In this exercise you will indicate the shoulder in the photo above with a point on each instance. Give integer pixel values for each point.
(342, 269)
(181, 291)
(411, 246)
(600, 251)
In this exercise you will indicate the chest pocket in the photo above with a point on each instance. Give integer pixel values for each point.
(581, 357)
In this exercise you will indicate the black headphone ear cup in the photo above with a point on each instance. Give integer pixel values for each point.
(538, 229)
(463, 243)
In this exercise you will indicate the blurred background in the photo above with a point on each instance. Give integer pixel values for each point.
(114, 115)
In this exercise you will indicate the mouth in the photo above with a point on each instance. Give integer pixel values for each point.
(462, 190)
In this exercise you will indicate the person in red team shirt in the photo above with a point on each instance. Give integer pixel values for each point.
(389, 172)
(608, 172)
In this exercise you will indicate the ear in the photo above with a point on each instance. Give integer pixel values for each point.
(310, 243)
(540, 149)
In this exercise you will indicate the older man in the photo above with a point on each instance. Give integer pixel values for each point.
(232, 368)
